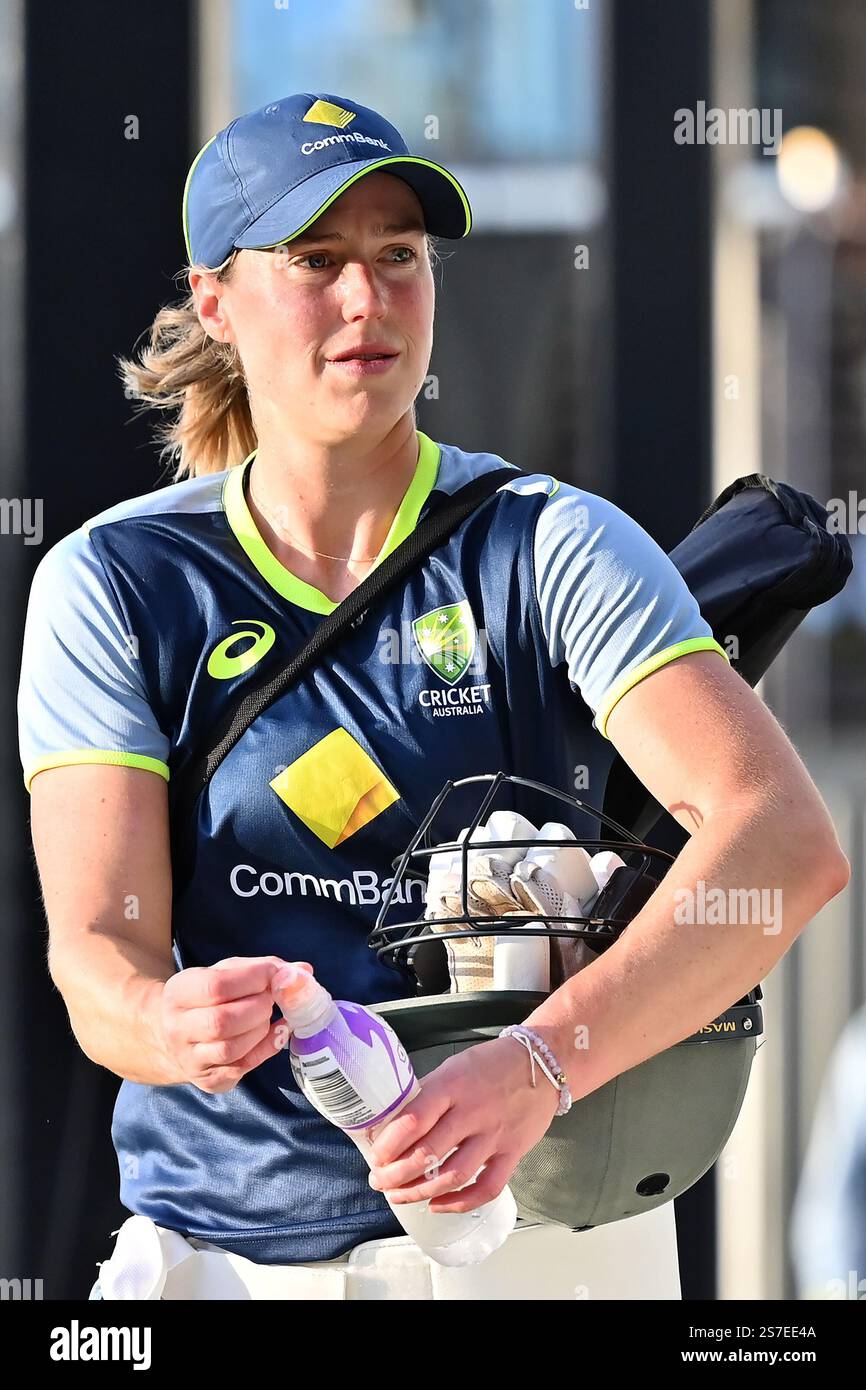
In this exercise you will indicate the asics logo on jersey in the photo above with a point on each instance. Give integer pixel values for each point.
(224, 667)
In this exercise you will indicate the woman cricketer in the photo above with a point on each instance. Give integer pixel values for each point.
(289, 375)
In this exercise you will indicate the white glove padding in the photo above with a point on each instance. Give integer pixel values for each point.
(490, 870)
(488, 893)
(443, 896)
(488, 890)
(557, 880)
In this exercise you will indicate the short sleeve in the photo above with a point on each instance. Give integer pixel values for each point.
(613, 606)
(81, 695)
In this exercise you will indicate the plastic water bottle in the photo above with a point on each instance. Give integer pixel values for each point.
(353, 1068)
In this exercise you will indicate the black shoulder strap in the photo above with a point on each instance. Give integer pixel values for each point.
(187, 784)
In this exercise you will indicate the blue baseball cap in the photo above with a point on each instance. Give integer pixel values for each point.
(263, 179)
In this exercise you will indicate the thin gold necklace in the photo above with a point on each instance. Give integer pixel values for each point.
(322, 554)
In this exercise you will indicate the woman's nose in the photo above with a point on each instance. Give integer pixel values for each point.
(362, 291)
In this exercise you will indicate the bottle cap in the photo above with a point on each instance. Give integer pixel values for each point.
(293, 986)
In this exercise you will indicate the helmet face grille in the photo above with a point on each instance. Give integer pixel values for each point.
(472, 902)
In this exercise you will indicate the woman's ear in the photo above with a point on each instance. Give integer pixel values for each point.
(208, 298)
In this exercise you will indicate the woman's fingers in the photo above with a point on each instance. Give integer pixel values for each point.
(224, 1076)
(220, 1022)
(444, 1174)
(227, 1052)
(488, 1186)
(201, 986)
(277, 1037)
(216, 1020)
(414, 1122)
(422, 1158)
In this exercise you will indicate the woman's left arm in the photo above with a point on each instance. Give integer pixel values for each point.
(710, 752)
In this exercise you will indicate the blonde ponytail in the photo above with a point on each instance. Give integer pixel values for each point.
(185, 371)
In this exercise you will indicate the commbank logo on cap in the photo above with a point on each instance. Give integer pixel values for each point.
(327, 113)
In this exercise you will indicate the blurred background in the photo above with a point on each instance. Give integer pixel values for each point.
(644, 318)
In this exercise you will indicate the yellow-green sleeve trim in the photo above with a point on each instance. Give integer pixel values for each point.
(305, 595)
(646, 668)
(97, 755)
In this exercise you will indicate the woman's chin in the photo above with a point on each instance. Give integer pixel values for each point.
(369, 408)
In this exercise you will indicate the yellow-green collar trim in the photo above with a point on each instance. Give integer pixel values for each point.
(250, 539)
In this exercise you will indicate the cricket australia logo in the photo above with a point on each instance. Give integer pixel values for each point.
(446, 639)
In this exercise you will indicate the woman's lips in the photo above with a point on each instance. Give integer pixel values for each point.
(362, 367)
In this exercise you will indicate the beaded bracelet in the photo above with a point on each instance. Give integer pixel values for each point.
(526, 1037)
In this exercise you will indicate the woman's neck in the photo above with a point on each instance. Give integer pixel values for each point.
(325, 513)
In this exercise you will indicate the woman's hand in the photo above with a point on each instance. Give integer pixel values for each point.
(481, 1101)
(215, 1020)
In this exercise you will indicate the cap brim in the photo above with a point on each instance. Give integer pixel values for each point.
(446, 208)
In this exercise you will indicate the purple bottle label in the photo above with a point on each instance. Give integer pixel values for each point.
(356, 1071)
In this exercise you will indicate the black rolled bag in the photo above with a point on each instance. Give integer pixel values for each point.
(757, 560)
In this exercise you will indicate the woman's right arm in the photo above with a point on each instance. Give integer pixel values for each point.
(100, 834)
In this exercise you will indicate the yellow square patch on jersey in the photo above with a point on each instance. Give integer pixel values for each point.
(335, 788)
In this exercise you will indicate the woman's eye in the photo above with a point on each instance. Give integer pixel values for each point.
(318, 260)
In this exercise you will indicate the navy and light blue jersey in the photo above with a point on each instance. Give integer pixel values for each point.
(507, 648)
